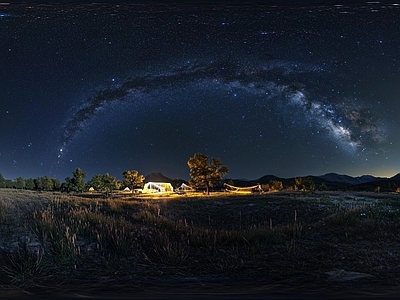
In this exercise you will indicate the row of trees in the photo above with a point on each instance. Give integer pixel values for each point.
(40, 183)
(300, 184)
(204, 173)
(76, 183)
(102, 183)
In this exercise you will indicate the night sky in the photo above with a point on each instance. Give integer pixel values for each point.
(288, 90)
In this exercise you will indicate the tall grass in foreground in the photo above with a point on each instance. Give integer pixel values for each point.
(74, 229)
(366, 222)
(93, 237)
(22, 265)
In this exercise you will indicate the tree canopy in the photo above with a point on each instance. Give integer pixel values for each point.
(2, 181)
(132, 179)
(205, 173)
(77, 182)
(104, 183)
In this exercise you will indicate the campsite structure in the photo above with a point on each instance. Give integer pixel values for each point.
(157, 187)
(242, 190)
(184, 188)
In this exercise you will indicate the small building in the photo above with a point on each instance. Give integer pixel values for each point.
(157, 187)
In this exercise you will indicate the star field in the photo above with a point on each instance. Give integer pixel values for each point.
(289, 90)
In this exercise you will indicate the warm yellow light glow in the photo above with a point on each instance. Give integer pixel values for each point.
(157, 188)
(242, 190)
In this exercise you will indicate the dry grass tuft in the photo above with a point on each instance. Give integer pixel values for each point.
(269, 236)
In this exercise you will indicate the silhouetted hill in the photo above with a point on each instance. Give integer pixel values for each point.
(267, 178)
(242, 182)
(157, 177)
(396, 177)
(332, 181)
(334, 177)
(385, 185)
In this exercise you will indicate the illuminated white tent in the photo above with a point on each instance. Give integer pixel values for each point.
(185, 188)
(157, 187)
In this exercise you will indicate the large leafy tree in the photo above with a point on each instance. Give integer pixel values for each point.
(104, 183)
(56, 184)
(205, 172)
(110, 183)
(9, 183)
(47, 183)
(20, 183)
(304, 183)
(29, 184)
(96, 182)
(275, 185)
(77, 182)
(38, 183)
(309, 184)
(132, 179)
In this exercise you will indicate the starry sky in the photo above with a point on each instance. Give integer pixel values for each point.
(285, 89)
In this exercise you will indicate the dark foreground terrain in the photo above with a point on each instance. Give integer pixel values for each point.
(226, 246)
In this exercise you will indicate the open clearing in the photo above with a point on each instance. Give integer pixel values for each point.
(225, 245)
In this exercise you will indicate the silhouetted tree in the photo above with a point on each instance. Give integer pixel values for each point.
(275, 185)
(104, 183)
(230, 182)
(323, 187)
(265, 187)
(47, 183)
(110, 183)
(132, 179)
(96, 182)
(298, 182)
(38, 183)
(2, 181)
(205, 173)
(56, 184)
(76, 183)
(309, 184)
(175, 183)
(29, 184)
(10, 183)
(19, 183)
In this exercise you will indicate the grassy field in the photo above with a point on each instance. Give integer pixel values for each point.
(52, 242)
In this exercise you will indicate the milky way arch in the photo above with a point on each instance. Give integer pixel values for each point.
(293, 85)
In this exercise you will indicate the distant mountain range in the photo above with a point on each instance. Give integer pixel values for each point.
(333, 181)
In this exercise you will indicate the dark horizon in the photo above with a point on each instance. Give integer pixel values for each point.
(227, 177)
